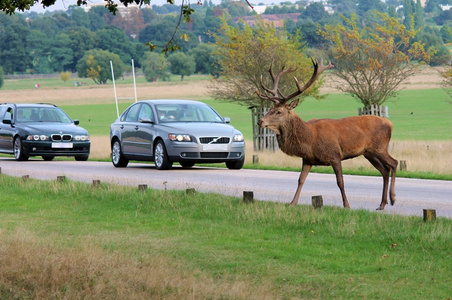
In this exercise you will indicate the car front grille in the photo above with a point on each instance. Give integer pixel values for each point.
(214, 154)
(61, 137)
(214, 140)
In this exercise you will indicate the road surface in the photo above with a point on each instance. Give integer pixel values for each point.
(363, 192)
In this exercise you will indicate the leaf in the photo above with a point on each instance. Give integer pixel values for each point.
(184, 37)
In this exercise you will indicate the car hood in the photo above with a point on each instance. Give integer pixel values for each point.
(201, 129)
(50, 128)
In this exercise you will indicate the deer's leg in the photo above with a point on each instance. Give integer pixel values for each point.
(337, 167)
(304, 173)
(384, 170)
(391, 165)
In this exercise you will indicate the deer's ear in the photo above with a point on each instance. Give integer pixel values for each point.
(293, 104)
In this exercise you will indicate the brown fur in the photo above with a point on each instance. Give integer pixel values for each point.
(327, 142)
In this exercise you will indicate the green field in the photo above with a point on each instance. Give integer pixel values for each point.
(416, 115)
(68, 240)
(421, 114)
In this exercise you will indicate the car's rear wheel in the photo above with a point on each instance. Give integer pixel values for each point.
(18, 151)
(236, 164)
(48, 157)
(82, 158)
(160, 157)
(117, 158)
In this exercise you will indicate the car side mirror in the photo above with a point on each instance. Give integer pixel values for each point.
(146, 120)
(227, 120)
(7, 122)
(76, 122)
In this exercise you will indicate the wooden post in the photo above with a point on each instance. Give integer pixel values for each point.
(403, 165)
(317, 201)
(190, 191)
(248, 196)
(429, 215)
(25, 177)
(96, 183)
(142, 187)
(0, 170)
(61, 178)
(255, 159)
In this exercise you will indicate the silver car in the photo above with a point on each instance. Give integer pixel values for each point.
(168, 131)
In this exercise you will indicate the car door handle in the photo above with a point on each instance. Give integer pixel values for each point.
(136, 127)
(122, 126)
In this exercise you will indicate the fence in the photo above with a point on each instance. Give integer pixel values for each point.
(263, 138)
(374, 110)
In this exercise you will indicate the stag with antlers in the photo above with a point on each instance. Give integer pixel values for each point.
(327, 142)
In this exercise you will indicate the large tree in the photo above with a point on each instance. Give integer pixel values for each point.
(246, 54)
(372, 62)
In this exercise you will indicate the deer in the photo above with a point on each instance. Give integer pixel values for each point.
(327, 142)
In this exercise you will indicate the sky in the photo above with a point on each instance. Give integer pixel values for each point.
(64, 4)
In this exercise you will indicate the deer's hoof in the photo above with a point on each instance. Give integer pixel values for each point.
(380, 208)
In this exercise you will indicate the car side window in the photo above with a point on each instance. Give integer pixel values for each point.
(146, 112)
(132, 114)
(8, 114)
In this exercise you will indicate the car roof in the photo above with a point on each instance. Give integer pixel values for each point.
(168, 101)
(28, 104)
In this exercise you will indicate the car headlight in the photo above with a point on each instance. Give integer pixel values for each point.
(238, 138)
(179, 137)
(37, 137)
(81, 138)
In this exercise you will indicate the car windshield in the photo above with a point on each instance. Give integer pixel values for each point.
(41, 114)
(192, 112)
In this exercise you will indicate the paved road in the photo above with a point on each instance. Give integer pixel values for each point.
(413, 195)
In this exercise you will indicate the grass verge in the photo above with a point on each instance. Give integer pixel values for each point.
(72, 240)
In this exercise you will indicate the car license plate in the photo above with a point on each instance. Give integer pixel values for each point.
(62, 145)
(211, 147)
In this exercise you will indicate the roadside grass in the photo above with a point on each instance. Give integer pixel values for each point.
(72, 240)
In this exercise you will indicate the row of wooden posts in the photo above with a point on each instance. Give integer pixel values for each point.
(248, 196)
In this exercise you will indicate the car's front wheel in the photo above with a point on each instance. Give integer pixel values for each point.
(18, 151)
(236, 164)
(160, 157)
(117, 158)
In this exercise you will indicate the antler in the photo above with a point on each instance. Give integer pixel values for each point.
(275, 94)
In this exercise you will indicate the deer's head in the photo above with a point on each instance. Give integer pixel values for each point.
(282, 110)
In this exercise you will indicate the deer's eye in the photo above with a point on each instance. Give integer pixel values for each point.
(278, 112)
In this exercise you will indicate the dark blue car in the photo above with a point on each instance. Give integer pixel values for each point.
(41, 130)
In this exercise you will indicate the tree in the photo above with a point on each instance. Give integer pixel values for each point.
(155, 67)
(95, 64)
(14, 54)
(113, 39)
(447, 83)
(246, 54)
(373, 62)
(408, 8)
(80, 41)
(204, 58)
(182, 64)
(185, 12)
(65, 76)
(315, 12)
(2, 80)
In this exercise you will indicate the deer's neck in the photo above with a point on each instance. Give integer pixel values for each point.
(295, 137)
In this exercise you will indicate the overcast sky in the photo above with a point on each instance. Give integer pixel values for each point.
(64, 4)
